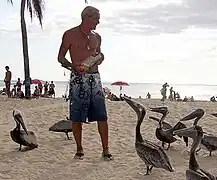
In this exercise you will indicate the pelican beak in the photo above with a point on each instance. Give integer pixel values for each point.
(162, 110)
(188, 132)
(137, 107)
(198, 113)
(19, 119)
(154, 118)
(15, 119)
(214, 114)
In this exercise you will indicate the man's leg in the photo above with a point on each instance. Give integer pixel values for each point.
(103, 131)
(7, 85)
(78, 113)
(77, 132)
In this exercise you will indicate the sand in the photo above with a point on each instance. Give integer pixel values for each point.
(53, 160)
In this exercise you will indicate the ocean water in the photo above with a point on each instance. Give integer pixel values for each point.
(199, 91)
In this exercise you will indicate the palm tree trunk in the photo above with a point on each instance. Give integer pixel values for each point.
(25, 50)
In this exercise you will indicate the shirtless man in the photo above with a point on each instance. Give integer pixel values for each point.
(7, 81)
(87, 100)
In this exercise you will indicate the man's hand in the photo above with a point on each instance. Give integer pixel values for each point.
(100, 60)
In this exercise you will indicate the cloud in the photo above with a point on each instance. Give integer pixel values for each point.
(141, 17)
(166, 18)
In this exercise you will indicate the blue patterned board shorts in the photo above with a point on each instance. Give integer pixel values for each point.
(87, 100)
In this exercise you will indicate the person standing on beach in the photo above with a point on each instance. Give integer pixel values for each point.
(7, 80)
(86, 94)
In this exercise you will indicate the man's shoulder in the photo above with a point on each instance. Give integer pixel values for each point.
(71, 31)
(97, 35)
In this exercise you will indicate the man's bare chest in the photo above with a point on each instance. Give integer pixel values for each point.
(79, 42)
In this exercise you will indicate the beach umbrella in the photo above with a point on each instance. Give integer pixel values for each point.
(37, 81)
(120, 84)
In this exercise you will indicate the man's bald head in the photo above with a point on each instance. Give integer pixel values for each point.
(89, 11)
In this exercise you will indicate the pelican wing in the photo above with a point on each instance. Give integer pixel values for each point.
(29, 139)
(61, 126)
(210, 140)
(178, 126)
(166, 125)
(154, 155)
(194, 175)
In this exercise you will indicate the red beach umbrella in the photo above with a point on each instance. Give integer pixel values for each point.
(120, 83)
(37, 81)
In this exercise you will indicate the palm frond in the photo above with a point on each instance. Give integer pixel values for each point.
(36, 7)
(10, 1)
(29, 7)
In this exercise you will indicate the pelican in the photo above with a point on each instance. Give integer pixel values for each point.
(166, 135)
(62, 126)
(22, 137)
(194, 172)
(209, 141)
(152, 154)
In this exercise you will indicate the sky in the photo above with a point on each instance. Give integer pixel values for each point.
(146, 41)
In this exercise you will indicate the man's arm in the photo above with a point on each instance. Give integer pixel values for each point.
(5, 76)
(10, 75)
(99, 50)
(64, 47)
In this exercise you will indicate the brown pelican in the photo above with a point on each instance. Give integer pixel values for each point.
(152, 154)
(194, 172)
(209, 141)
(22, 137)
(62, 126)
(166, 135)
(166, 126)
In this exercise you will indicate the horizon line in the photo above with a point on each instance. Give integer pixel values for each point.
(109, 82)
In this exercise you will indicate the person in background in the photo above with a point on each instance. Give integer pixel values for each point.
(36, 93)
(51, 89)
(191, 98)
(46, 88)
(171, 96)
(148, 96)
(7, 80)
(40, 87)
(185, 99)
(91, 104)
(14, 91)
(20, 93)
(18, 84)
(164, 91)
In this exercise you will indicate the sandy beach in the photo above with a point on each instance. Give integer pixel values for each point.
(53, 159)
